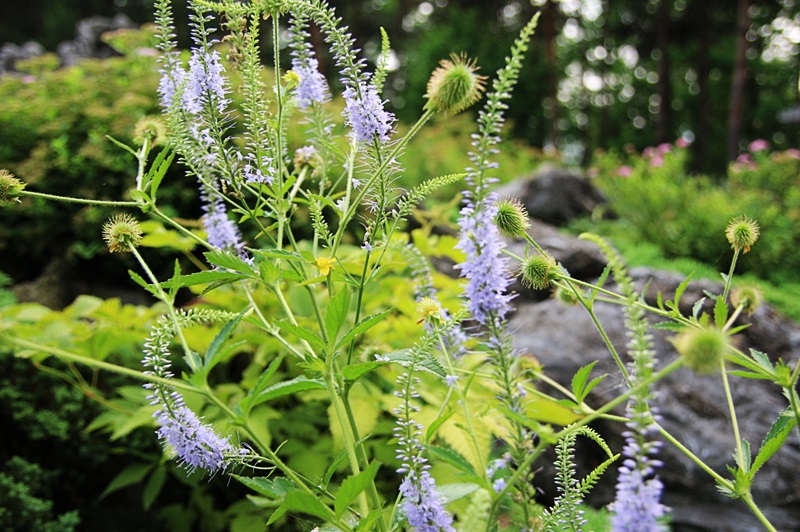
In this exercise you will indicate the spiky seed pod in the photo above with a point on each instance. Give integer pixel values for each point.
(121, 233)
(150, 127)
(702, 349)
(10, 188)
(511, 218)
(454, 85)
(742, 232)
(428, 309)
(538, 270)
(749, 297)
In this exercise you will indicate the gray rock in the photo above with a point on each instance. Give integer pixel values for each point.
(87, 42)
(556, 196)
(692, 407)
(11, 53)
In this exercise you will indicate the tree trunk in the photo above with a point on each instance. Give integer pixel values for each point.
(549, 31)
(663, 126)
(738, 81)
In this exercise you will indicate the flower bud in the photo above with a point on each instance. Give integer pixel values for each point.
(10, 188)
(454, 85)
(702, 349)
(150, 127)
(538, 270)
(742, 232)
(749, 297)
(511, 218)
(122, 233)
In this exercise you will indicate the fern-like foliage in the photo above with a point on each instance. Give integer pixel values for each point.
(565, 514)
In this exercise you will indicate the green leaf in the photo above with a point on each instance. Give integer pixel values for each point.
(425, 363)
(434, 426)
(332, 469)
(214, 354)
(300, 501)
(229, 261)
(153, 487)
(579, 386)
(301, 332)
(175, 282)
(336, 314)
(355, 371)
(298, 384)
(698, 306)
(123, 146)
(277, 514)
(273, 488)
(680, 290)
(368, 524)
(133, 474)
(141, 282)
(210, 276)
(352, 486)
(457, 490)
(762, 360)
(720, 312)
(247, 402)
(158, 170)
(451, 457)
(669, 326)
(361, 327)
(774, 439)
(749, 375)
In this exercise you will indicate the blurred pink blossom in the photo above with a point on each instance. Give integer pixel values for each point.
(624, 171)
(657, 160)
(792, 153)
(682, 142)
(758, 145)
(664, 147)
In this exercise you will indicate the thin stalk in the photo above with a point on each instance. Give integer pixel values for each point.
(734, 420)
(80, 200)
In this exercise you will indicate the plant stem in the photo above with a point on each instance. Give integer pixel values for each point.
(80, 200)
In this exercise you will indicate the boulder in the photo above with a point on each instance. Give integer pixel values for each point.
(692, 407)
(87, 42)
(11, 53)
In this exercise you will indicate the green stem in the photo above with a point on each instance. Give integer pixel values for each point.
(729, 278)
(740, 458)
(80, 200)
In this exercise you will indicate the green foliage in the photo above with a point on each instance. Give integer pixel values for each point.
(681, 217)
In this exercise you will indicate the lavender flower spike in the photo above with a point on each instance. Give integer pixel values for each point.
(222, 232)
(365, 114)
(485, 268)
(312, 88)
(423, 505)
(206, 83)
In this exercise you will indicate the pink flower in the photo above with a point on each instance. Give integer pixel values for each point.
(664, 147)
(792, 153)
(758, 145)
(624, 171)
(682, 142)
(657, 161)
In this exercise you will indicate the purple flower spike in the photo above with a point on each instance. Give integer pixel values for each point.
(365, 114)
(312, 88)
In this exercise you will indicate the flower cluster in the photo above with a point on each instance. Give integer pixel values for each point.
(423, 506)
(196, 444)
(486, 270)
(364, 113)
(312, 87)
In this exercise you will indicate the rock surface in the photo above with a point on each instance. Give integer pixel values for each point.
(693, 408)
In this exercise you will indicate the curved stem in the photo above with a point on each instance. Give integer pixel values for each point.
(80, 200)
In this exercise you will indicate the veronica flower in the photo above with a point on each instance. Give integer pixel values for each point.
(364, 113)
(222, 232)
(486, 269)
(422, 505)
(312, 88)
(206, 83)
(196, 444)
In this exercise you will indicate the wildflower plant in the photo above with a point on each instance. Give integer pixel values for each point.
(304, 250)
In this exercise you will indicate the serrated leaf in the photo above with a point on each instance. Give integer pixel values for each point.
(762, 359)
(332, 469)
(159, 169)
(298, 384)
(368, 524)
(361, 327)
(214, 354)
(247, 402)
(355, 371)
(336, 314)
(300, 501)
(681, 289)
(352, 486)
(697, 307)
(229, 261)
(774, 439)
(141, 282)
(277, 514)
(425, 363)
(579, 381)
(720, 312)
(451, 457)
(210, 276)
(309, 336)
(175, 282)
(434, 426)
(273, 488)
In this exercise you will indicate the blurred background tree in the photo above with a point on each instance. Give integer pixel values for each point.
(603, 73)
